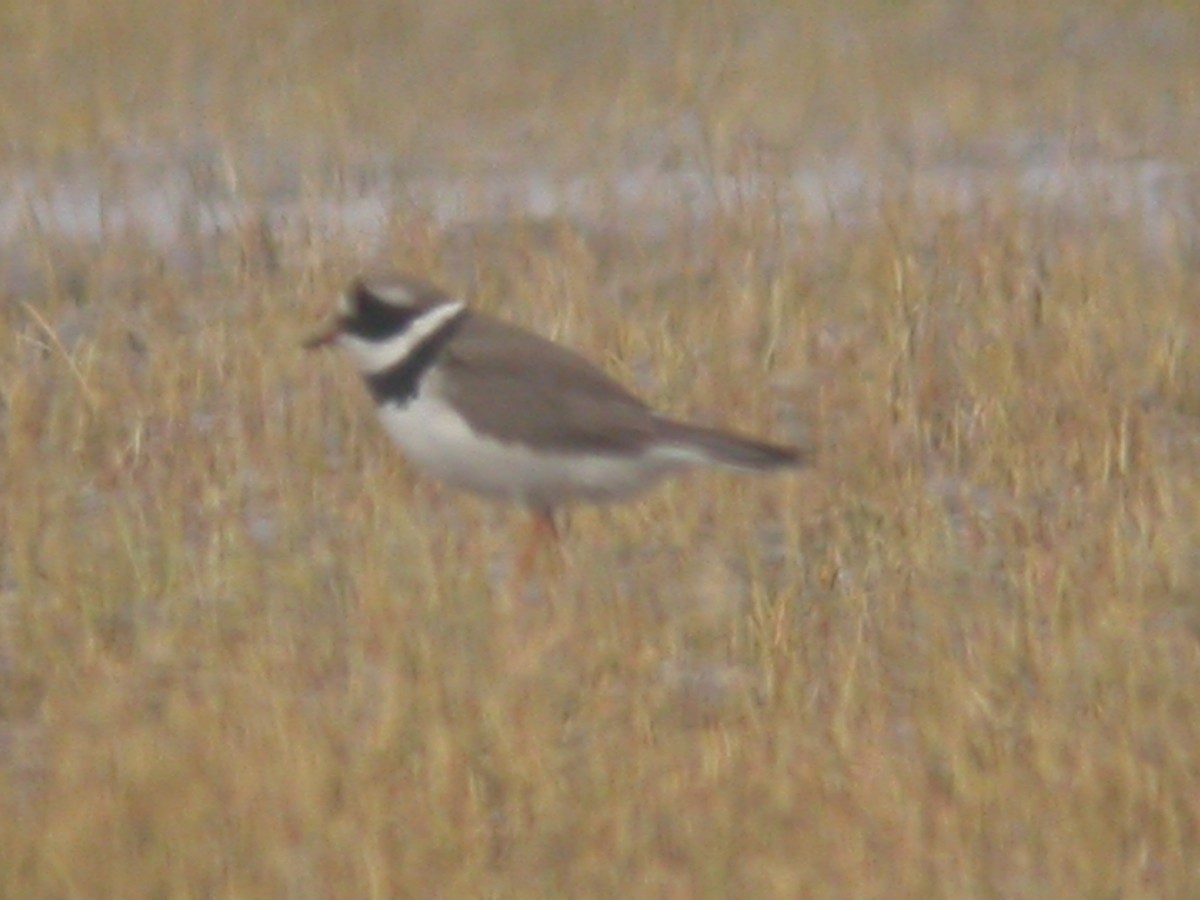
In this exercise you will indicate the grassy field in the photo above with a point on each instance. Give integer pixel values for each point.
(244, 652)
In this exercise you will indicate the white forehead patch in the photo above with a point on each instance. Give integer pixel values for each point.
(392, 293)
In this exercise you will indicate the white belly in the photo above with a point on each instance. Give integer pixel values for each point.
(438, 442)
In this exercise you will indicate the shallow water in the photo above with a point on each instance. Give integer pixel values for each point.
(165, 198)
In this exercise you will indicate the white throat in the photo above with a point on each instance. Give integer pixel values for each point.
(373, 357)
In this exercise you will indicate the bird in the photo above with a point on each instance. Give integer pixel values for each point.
(491, 408)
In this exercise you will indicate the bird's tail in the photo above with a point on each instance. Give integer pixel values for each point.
(724, 448)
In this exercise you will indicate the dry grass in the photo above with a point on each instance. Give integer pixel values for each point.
(460, 79)
(244, 653)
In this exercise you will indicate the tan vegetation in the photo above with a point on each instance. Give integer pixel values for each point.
(245, 653)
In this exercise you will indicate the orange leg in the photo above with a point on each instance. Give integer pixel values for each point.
(543, 529)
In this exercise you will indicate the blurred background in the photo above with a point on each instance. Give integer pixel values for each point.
(951, 244)
(345, 118)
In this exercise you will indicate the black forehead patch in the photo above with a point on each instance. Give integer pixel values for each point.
(374, 315)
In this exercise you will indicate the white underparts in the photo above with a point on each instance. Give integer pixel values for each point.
(439, 442)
